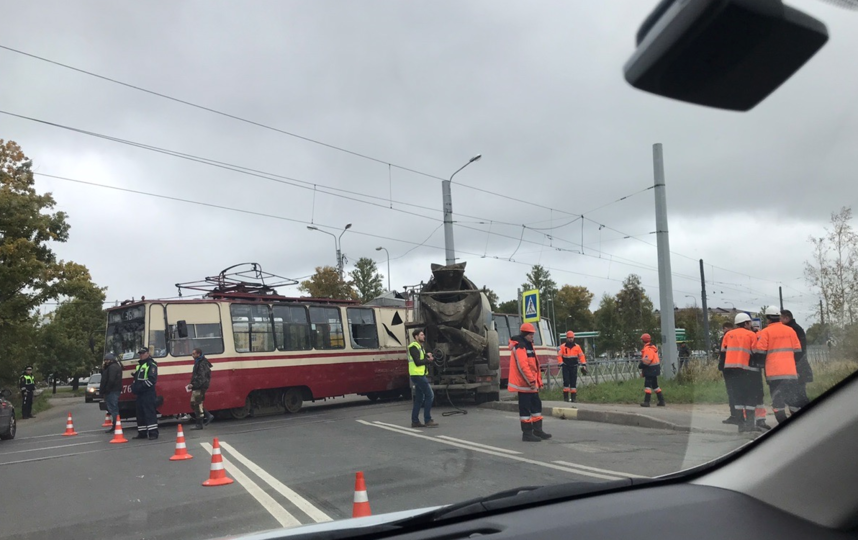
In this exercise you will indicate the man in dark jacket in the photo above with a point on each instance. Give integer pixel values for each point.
(111, 386)
(802, 366)
(200, 380)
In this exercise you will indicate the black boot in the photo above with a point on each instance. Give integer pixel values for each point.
(748, 424)
(111, 428)
(537, 430)
(199, 424)
(780, 416)
(647, 398)
(660, 399)
(573, 397)
(527, 433)
(209, 418)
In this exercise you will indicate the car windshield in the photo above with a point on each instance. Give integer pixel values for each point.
(390, 256)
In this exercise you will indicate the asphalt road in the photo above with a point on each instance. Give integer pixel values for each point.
(292, 469)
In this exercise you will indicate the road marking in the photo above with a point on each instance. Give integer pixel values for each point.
(580, 472)
(412, 430)
(618, 473)
(267, 501)
(480, 445)
(50, 447)
(317, 515)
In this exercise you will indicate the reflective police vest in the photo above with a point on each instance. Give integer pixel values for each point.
(413, 369)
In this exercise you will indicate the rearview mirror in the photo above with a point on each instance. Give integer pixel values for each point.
(729, 54)
(182, 329)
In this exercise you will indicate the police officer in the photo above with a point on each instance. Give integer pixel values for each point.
(525, 378)
(650, 370)
(418, 359)
(570, 356)
(27, 384)
(144, 377)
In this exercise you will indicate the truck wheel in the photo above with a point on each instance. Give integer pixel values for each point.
(373, 396)
(493, 352)
(293, 400)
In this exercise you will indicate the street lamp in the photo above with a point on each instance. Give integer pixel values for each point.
(336, 245)
(448, 212)
(388, 266)
(693, 298)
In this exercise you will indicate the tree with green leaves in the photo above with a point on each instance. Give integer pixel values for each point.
(366, 280)
(509, 307)
(327, 283)
(540, 279)
(492, 297)
(72, 338)
(30, 273)
(636, 313)
(573, 308)
(609, 326)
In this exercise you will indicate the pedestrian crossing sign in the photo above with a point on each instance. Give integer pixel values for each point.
(530, 306)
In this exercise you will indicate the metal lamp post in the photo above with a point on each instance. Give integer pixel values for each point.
(336, 245)
(388, 265)
(448, 212)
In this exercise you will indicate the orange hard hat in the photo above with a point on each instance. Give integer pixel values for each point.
(646, 338)
(527, 328)
(570, 335)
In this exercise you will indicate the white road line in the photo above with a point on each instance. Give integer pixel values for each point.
(50, 447)
(315, 514)
(580, 472)
(412, 430)
(267, 501)
(618, 473)
(480, 445)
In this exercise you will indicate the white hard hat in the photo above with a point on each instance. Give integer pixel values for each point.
(741, 318)
(772, 311)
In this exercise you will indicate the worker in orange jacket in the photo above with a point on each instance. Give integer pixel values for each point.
(739, 375)
(525, 378)
(570, 356)
(779, 346)
(650, 366)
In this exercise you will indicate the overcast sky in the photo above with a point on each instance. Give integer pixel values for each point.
(535, 87)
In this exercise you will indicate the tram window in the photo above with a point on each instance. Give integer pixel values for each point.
(203, 325)
(252, 328)
(157, 337)
(502, 326)
(326, 328)
(291, 328)
(362, 328)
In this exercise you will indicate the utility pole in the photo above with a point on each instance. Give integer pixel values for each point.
(448, 212)
(705, 310)
(665, 281)
(781, 297)
(821, 314)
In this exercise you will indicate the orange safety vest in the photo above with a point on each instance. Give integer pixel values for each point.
(649, 355)
(779, 343)
(524, 373)
(738, 344)
(574, 354)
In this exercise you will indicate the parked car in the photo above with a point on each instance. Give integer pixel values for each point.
(8, 425)
(93, 393)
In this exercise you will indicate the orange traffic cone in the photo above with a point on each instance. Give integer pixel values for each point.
(118, 437)
(217, 475)
(181, 448)
(361, 503)
(69, 428)
(107, 421)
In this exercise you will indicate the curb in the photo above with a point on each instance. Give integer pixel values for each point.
(608, 417)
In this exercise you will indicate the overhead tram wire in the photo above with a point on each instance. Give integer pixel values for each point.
(261, 125)
(303, 222)
(321, 143)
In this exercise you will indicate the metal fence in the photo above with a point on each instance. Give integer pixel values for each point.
(601, 370)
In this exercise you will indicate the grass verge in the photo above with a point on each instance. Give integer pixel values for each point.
(40, 403)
